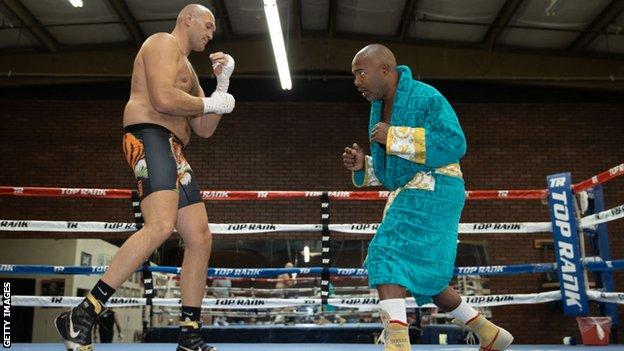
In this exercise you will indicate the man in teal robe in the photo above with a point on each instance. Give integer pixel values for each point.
(416, 144)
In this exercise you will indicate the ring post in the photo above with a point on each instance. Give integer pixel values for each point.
(566, 241)
(599, 241)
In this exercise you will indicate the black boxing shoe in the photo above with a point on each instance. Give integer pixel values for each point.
(76, 325)
(191, 339)
(75, 328)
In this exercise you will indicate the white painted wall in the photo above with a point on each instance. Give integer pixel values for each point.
(68, 252)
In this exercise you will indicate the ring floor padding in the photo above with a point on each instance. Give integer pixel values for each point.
(311, 347)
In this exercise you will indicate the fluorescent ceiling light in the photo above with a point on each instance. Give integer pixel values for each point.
(277, 41)
(76, 3)
(306, 254)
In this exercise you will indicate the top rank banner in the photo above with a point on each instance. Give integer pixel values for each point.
(566, 245)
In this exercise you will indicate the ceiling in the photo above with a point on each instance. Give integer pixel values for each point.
(564, 28)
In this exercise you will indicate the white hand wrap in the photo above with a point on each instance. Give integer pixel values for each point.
(219, 103)
(223, 79)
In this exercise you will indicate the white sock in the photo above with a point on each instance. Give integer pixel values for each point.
(395, 308)
(464, 312)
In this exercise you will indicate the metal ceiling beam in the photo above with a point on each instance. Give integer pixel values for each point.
(503, 18)
(419, 42)
(331, 19)
(225, 19)
(422, 20)
(125, 14)
(298, 18)
(313, 55)
(598, 25)
(17, 10)
(406, 18)
(322, 34)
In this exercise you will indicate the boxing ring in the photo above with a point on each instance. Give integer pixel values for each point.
(573, 208)
(315, 347)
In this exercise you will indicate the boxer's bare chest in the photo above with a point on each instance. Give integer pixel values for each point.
(187, 80)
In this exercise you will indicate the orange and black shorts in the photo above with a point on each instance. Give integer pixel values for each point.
(156, 156)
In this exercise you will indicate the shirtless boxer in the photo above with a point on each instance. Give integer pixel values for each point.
(166, 103)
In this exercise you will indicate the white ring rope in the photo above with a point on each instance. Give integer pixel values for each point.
(256, 228)
(345, 302)
(609, 215)
(269, 303)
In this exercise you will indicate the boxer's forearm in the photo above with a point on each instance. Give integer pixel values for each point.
(176, 102)
(205, 125)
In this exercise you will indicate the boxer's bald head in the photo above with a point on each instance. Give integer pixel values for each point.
(198, 23)
(375, 71)
(377, 52)
(195, 11)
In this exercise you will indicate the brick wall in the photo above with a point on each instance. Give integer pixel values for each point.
(297, 146)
